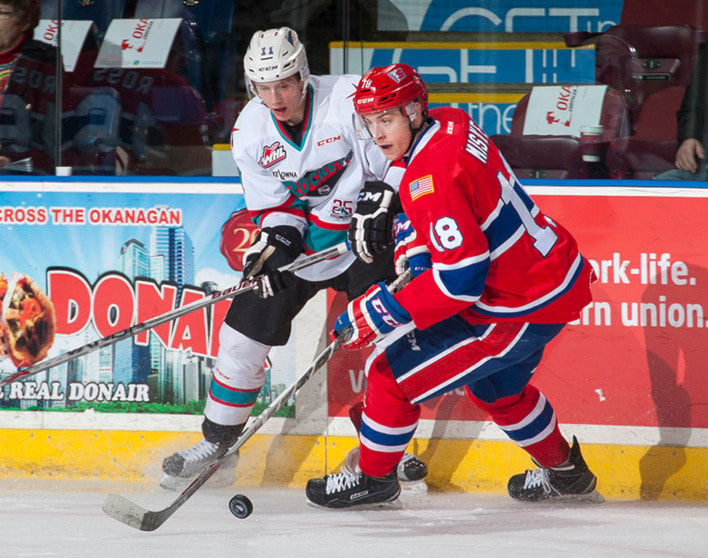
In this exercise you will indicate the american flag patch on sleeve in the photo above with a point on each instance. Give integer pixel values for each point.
(421, 187)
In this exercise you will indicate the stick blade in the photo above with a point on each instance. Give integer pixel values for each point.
(121, 509)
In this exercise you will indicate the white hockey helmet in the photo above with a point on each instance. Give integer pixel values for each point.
(273, 55)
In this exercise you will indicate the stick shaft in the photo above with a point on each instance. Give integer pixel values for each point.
(120, 508)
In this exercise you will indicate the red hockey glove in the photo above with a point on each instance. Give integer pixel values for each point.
(411, 252)
(372, 316)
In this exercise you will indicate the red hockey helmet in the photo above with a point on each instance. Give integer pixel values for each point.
(385, 88)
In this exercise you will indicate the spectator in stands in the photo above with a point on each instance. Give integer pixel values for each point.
(692, 127)
(27, 87)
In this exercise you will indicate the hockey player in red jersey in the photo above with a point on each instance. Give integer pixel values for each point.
(502, 280)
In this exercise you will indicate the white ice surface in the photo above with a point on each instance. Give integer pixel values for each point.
(65, 520)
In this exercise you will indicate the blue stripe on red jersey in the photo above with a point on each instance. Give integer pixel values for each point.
(508, 312)
(463, 280)
(503, 227)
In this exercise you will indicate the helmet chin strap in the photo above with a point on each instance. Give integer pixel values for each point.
(302, 101)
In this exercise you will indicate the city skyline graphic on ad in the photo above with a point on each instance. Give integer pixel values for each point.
(165, 237)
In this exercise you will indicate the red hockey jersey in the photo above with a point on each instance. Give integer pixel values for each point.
(496, 256)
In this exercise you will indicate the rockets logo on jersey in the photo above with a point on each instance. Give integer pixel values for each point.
(272, 154)
(319, 182)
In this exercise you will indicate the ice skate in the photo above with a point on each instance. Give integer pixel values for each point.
(411, 471)
(191, 461)
(345, 490)
(224, 476)
(182, 466)
(572, 479)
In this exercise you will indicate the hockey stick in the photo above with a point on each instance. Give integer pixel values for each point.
(125, 511)
(216, 296)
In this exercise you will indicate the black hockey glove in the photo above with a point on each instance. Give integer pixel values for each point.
(371, 229)
(274, 247)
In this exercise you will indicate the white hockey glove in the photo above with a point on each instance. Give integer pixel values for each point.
(274, 247)
(371, 229)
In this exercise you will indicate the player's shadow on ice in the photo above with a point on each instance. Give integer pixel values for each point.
(677, 352)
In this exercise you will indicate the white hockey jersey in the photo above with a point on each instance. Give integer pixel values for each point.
(312, 186)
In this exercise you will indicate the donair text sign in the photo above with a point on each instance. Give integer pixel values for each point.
(108, 260)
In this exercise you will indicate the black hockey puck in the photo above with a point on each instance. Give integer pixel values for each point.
(241, 506)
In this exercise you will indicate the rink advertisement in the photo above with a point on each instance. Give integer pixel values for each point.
(110, 256)
(636, 356)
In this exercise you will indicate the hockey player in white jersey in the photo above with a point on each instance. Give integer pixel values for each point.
(303, 168)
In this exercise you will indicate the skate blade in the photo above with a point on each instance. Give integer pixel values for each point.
(178, 484)
(593, 497)
(414, 487)
(394, 504)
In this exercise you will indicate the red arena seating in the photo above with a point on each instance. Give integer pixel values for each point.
(559, 156)
(652, 147)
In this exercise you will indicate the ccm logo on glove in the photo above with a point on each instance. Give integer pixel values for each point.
(371, 229)
(371, 317)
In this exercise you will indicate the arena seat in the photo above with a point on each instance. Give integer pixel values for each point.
(639, 60)
(661, 12)
(168, 132)
(92, 130)
(652, 147)
(15, 124)
(101, 13)
(559, 156)
(208, 46)
(213, 19)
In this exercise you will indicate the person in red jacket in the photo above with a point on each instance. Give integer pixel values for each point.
(28, 92)
(502, 281)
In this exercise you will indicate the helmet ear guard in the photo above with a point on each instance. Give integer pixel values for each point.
(410, 111)
(273, 55)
